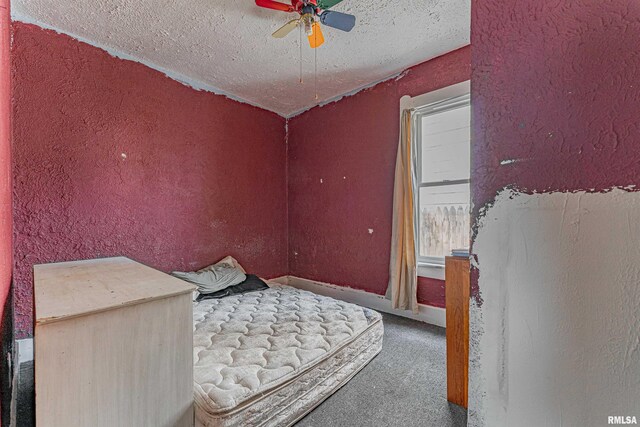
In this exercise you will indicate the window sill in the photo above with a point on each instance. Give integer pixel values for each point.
(431, 271)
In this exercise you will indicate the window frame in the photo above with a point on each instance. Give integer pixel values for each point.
(445, 99)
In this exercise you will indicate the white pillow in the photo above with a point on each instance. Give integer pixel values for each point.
(232, 262)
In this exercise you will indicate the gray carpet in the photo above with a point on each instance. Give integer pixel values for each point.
(404, 386)
(25, 410)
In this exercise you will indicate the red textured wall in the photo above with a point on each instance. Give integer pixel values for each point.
(6, 247)
(341, 171)
(555, 88)
(431, 292)
(203, 176)
(561, 97)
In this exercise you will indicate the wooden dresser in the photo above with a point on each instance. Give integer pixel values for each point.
(457, 294)
(113, 345)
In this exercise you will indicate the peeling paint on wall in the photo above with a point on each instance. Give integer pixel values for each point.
(554, 129)
(559, 334)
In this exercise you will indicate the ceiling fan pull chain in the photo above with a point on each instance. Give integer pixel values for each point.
(300, 44)
(316, 73)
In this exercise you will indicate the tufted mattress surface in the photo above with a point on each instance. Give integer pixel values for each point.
(269, 357)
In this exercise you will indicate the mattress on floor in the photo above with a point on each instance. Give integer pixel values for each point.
(267, 358)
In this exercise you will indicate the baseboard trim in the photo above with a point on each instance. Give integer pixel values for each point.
(428, 314)
(25, 350)
(283, 280)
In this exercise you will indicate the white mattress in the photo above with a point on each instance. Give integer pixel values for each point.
(267, 358)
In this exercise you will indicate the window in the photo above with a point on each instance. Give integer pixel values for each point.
(443, 166)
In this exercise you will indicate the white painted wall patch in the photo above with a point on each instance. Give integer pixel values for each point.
(557, 339)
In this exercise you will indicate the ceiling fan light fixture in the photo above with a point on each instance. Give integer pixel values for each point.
(308, 24)
(312, 14)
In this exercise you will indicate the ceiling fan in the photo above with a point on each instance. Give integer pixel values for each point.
(312, 13)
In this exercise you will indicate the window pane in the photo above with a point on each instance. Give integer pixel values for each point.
(443, 219)
(446, 152)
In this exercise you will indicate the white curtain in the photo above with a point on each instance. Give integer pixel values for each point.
(403, 278)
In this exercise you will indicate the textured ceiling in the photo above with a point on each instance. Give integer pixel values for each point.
(225, 45)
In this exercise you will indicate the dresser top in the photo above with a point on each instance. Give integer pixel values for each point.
(71, 289)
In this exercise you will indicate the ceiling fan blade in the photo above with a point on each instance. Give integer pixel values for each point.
(317, 38)
(276, 5)
(339, 20)
(286, 29)
(326, 4)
